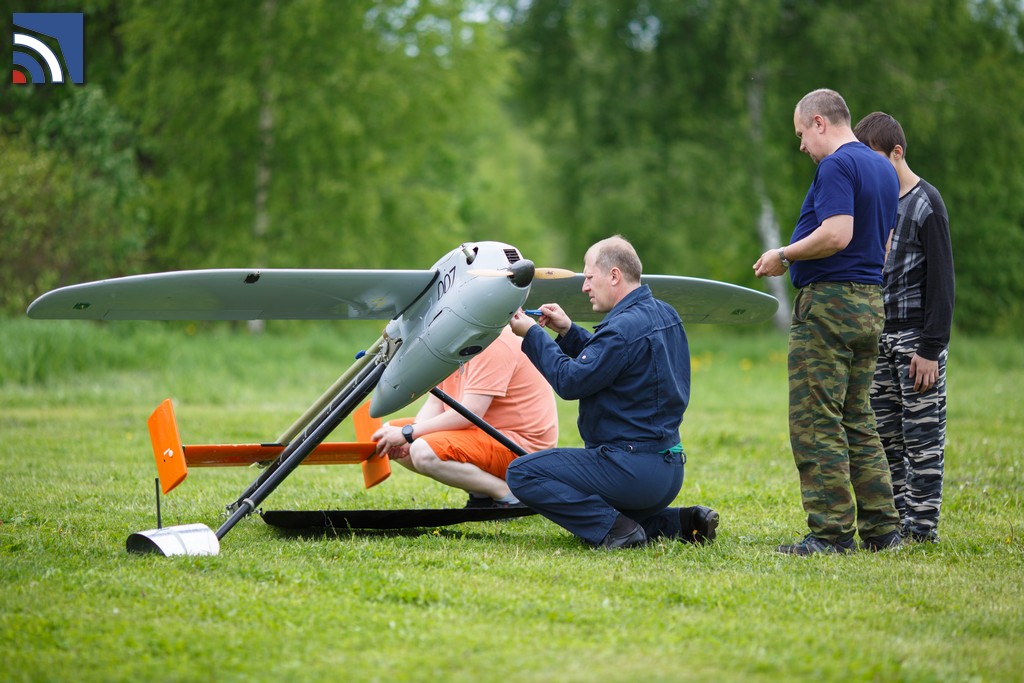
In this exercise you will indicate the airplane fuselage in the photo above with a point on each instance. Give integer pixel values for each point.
(460, 312)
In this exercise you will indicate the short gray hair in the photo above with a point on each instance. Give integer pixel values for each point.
(825, 102)
(617, 252)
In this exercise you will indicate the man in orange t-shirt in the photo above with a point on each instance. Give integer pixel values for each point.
(502, 387)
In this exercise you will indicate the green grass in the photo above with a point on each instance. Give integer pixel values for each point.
(518, 600)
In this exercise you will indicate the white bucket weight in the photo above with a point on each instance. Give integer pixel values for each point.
(185, 539)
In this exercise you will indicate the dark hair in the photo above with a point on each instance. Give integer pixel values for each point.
(828, 103)
(881, 132)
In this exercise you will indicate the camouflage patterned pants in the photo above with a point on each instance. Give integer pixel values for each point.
(912, 426)
(833, 345)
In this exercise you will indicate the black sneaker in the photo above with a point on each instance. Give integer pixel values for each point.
(705, 525)
(917, 534)
(889, 541)
(910, 536)
(625, 533)
(812, 545)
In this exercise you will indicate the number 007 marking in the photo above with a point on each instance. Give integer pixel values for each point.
(445, 283)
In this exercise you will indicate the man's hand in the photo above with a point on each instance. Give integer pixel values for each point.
(924, 372)
(769, 264)
(390, 442)
(521, 323)
(551, 316)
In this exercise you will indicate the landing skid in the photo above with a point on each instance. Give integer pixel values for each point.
(343, 520)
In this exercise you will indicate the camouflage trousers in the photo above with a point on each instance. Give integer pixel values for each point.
(844, 477)
(912, 426)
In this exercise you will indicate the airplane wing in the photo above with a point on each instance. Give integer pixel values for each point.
(298, 294)
(696, 300)
(239, 294)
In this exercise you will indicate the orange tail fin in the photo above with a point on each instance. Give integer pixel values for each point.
(364, 424)
(375, 469)
(167, 448)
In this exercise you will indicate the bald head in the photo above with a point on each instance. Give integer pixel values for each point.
(824, 102)
(616, 252)
(822, 122)
(611, 270)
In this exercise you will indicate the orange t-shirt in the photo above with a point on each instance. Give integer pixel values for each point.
(523, 407)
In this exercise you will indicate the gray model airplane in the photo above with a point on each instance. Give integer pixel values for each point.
(437, 319)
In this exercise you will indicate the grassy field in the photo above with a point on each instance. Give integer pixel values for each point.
(518, 600)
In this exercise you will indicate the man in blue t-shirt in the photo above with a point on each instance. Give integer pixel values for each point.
(835, 259)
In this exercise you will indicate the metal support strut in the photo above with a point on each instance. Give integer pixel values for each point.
(472, 417)
(303, 445)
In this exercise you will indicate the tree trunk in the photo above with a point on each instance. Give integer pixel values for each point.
(767, 225)
(261, 220)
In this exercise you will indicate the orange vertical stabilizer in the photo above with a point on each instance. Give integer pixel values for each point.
(364, 424)
(375, 469)
(167, 448)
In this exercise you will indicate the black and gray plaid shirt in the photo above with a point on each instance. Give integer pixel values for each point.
(918, 275)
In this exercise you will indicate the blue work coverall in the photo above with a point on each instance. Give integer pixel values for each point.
(632, 380)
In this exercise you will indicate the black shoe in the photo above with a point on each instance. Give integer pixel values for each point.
(625, 533)
(914, 537)
(917, 535)
(812, 545)
(698, 524)
(889, 541)
(705, 525)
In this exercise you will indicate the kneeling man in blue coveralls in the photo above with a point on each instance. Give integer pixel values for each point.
(632, 379)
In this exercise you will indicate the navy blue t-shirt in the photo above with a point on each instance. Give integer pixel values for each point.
(853, 181)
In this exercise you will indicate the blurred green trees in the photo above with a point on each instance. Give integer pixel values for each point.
(381, 133)
(672, 123)
(72, 202)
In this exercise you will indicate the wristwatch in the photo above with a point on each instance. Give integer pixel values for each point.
(782, 257)
(407, 433)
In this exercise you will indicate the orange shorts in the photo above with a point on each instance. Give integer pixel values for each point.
(472, 445)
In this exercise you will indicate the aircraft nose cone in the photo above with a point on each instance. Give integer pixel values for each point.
(522, 273)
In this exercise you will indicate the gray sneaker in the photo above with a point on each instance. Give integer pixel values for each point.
(488, 503)
(476, 502)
